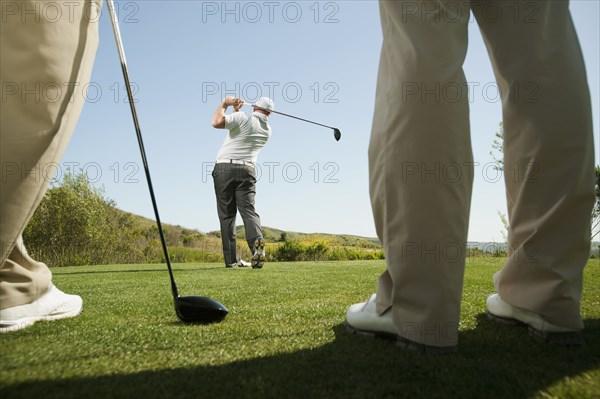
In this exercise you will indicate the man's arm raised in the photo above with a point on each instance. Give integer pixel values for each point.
(218, 119)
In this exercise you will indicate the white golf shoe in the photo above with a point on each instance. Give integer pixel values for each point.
(362, 319)
(53, 305)
(540, 329)
(243, 263)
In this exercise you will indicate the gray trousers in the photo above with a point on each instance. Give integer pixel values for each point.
(235, 188)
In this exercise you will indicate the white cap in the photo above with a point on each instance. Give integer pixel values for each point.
(265, 103)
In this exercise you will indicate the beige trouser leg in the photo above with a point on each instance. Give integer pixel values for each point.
(420, 168)
(48, 50)
(548, 157)
(420, 157)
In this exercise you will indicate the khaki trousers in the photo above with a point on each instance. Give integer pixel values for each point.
(421, 166)
(48, 50)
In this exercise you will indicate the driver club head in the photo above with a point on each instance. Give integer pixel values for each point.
(199, 309)
(337, 134)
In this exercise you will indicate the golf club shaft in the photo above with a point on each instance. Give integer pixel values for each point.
(115, 25)
(289, 116)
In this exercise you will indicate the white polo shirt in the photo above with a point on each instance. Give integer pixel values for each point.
(248, 134)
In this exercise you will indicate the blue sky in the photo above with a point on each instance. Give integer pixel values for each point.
(317, 60)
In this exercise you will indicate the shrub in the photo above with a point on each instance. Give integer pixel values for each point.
(317, 251)
(74, 225)
(291, 250)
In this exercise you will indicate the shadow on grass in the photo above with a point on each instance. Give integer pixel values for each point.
(494, 361)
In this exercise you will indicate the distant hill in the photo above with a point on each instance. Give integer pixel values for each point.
(271, 235)
(182, 236)
(192, 245)
(275, 235)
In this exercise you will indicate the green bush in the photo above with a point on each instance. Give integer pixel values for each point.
(74, 225)
(317, 251)
(293, 250)
(289, 251)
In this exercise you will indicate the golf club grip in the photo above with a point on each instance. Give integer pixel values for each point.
(121, 51)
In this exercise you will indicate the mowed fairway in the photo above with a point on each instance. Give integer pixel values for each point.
(283, 338)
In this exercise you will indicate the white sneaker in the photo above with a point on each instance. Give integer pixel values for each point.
(243, 263)
(53, 305)
(540, 329)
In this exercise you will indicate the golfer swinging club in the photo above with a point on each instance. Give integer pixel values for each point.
(235, 178)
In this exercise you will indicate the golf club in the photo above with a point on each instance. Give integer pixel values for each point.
(336, 132)
(190, 309)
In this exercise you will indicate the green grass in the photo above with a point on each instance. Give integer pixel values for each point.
(283, 338)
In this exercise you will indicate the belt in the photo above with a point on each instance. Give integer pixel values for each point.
(236, 161)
